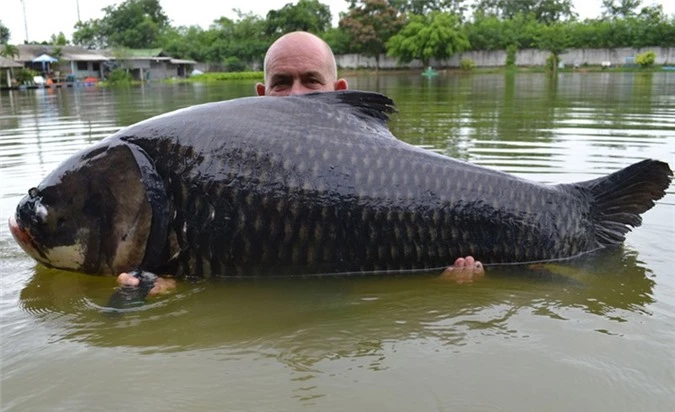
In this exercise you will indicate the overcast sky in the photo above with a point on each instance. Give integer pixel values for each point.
(47, 17)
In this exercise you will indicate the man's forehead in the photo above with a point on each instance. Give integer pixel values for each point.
(297, 66)
(295, 72)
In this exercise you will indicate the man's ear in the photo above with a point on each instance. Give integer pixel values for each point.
(260, 89)
(341, 84)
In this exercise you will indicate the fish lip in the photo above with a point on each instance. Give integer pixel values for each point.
(23, 237)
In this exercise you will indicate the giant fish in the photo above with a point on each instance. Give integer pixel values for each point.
(312, 184)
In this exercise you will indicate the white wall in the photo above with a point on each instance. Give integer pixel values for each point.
(526, 57)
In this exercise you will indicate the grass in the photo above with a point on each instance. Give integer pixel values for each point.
(220, 76)
(258, 75)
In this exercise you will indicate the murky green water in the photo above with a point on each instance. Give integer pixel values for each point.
(593, 334)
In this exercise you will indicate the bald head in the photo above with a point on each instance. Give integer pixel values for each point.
(297, 63)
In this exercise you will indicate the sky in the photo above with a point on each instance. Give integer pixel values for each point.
(47, 17)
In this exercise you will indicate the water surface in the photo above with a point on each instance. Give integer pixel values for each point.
(596, 333)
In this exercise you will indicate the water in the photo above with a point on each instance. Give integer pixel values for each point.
(593, 334)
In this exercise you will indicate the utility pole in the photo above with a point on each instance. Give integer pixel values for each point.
(25, 22)
(78, 10)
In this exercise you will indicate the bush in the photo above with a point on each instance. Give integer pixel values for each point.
(233, 64)
(219, 76)
(25, 75)
(467, 64)
(511, 51)
(119, 76)
(646, 59)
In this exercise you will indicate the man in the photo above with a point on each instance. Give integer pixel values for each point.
(298, 63)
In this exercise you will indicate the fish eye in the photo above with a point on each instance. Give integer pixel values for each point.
(33, 192)
(41, 213)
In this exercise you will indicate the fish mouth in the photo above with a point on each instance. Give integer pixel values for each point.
(24, 238)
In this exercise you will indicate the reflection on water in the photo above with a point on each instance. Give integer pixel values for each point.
(326, 316)
(595, 333)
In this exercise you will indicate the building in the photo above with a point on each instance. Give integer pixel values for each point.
(75, 62)
(149, 64)
(6, 66)
(72, 60)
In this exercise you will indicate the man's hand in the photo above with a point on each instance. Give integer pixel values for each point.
(162, 285)
(465, 270)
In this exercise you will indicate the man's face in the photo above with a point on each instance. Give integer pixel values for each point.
(298, 64)
(298, 71)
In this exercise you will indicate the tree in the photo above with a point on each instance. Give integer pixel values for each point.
(135, 24)
(306, 15)
(59, 39)
(489, 32)
(616, 9)
(244, 38)
(436, 35)
(4, 34)
(370, 25)
(544, 11)
(192, 42)
(89, 34)
(457, 7)
(338, 40)
(554, 38)
(9, 51)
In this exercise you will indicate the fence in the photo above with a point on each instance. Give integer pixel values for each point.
(526, 57)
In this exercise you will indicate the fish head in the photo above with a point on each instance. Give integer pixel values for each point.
(92, 214)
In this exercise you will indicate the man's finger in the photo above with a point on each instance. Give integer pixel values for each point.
(125, 279)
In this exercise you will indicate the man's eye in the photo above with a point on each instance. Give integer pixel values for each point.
(280, 86)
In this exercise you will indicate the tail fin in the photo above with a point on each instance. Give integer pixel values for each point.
(619, 199)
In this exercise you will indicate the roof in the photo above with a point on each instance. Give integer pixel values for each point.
(182, 61)
(6, 63)
(28, 52)
(87, 57)
(144, 53)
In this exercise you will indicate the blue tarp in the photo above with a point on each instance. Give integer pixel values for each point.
(45, 58)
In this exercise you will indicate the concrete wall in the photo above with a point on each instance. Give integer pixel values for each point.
(526, 57)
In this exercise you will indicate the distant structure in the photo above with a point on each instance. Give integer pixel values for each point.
(25, 22)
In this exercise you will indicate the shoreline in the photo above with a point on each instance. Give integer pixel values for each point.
(217, 77)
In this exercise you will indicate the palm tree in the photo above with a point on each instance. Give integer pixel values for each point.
(9, 51)
(57, 53)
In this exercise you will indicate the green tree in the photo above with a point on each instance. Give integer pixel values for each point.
(457, 7)
(436, 35)
(59, 39)
(616, 9)
(135, 24)
(56, 52)
(544, 11)
(244, 38)
(10, 51)
(4, 34)
(554, 38)
(489, 32)
(306, 15)
(191, 42)
(338, 40)
(89, 34)
(371, 23)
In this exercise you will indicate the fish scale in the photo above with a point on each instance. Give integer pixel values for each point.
(313, 184)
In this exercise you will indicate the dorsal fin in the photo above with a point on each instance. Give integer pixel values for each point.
(366, 105)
